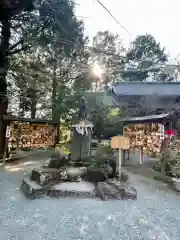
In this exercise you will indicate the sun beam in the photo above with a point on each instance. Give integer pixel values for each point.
(97, 70)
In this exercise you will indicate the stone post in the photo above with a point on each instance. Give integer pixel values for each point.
(81, 142)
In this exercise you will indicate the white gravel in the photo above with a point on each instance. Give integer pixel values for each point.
(155, 215)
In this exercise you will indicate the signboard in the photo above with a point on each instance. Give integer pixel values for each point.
(120, 142)
(8, 132)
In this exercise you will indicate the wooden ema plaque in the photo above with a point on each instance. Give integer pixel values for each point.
(120, 142)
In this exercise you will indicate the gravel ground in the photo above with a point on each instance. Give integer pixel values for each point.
(154, 215)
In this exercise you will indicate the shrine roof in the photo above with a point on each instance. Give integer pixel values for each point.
(144, 118)
(21, 119)
(146, 88)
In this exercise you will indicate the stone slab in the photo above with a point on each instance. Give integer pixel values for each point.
(82, 186)
(73, 189)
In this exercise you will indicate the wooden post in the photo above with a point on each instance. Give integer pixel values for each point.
(123, 158)
(57, 133)
(8, 133)
(120, 162)
(128, 155)
(121, 143)
(141, 156)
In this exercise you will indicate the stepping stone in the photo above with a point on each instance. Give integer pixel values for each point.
(74, 189)
(33, 190)
(44, 175)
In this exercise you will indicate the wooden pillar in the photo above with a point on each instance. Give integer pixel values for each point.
(8, 132)
(141, 156)
(120, 163)
(57, 135)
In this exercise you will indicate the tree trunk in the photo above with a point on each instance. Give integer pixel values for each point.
(54, 89)
(33, 99)
(33, 105)
(164, 156)
(21, 104)
(4, 64)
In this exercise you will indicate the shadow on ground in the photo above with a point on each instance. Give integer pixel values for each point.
(20, 168)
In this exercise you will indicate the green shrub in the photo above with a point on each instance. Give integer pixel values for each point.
(106, 159)
(171, 160)
(103, 154)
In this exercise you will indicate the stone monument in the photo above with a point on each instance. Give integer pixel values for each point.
(82, 134)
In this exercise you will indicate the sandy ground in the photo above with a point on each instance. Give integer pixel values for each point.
(154, 215)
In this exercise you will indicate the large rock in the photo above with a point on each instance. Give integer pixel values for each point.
(129, 192)
(112, 163)
(33, 190)
(108, 171)
(44, 176)
(114, 190)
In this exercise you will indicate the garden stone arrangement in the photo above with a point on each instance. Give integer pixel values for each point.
(61, 178)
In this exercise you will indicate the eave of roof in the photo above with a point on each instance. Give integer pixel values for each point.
(22, 119)
(146, 88)
(144, 118)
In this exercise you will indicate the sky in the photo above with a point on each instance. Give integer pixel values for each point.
(161, 18)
